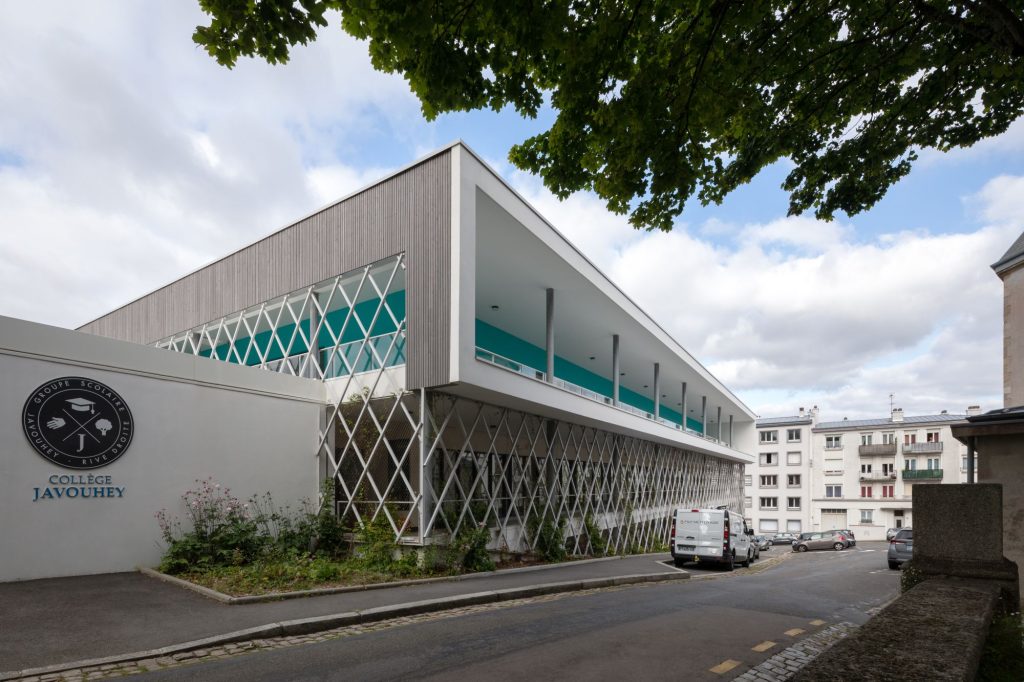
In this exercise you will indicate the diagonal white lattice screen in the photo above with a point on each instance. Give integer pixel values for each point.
(481, 464)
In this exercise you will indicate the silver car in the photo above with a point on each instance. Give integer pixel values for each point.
(826, 539)
(901, 547)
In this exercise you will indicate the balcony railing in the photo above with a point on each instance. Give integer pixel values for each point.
(878, 449)
(915, 448)
(878, 476)
(497, 360)
(922, 474)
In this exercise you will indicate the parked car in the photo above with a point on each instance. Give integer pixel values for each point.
(826, 539)
(711, 535)
(755, 551)
(783, 539)
(901, 547)
(891, 533)
(851, 541)
(763, 543)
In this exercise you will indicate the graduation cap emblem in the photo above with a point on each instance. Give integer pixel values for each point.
(82, 405)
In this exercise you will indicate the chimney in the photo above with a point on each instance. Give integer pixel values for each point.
(814, 412)
(801, 412)
(973, 410)
(944, 412)
(897, 414)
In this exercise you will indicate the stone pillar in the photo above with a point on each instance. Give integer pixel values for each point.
(958, 532)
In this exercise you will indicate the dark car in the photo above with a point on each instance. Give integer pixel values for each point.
(763, 543)
(901, 548)
(783, 539)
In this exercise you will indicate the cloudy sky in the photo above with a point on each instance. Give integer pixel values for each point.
(128, 157)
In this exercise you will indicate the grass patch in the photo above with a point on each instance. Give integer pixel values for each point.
(1003, 657)
(295, 573)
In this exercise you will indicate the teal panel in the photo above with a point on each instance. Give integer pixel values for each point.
(501, 342)
(271, 348)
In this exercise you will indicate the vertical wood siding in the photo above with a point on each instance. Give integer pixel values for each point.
(410, 212)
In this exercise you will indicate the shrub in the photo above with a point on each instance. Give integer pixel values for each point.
(548, 536)
(468, 550)
(223, 531)
(595, 539)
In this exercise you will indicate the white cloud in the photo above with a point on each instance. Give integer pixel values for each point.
(801, 312)
(137, 157)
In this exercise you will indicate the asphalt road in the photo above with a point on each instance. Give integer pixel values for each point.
(674, 631)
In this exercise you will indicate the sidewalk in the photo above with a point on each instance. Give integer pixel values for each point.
(45, 622)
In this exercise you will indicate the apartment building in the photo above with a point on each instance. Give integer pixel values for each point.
(863, 472)
(777, 488)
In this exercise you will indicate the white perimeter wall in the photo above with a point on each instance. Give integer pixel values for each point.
(251, 430)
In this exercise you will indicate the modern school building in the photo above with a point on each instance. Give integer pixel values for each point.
(430, 344)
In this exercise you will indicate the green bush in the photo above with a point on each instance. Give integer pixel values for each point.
(468, 550)
(910, 576)
(595, 538)
(547, 534)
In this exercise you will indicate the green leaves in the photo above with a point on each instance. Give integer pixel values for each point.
(663, 101)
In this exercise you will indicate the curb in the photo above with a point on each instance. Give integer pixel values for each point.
(298, 594)
(305, 626)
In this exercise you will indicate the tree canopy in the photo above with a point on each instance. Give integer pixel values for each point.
(658, 101)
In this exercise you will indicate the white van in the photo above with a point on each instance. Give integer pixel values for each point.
(714, 535)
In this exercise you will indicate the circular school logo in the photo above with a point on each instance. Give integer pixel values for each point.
(77, 423)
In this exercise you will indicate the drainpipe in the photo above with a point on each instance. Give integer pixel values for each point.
(657, 391)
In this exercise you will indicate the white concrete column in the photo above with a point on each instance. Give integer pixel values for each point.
(615, 369)
(550, 334)
(730, 430)
(683, 408)
(703, 415)
(657, 390)
(718, 420)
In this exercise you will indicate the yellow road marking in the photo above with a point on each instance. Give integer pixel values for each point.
(725, 666)
(794, 632)
(763, 646)
(817, 621)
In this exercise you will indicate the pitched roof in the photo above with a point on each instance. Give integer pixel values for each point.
(1013, 256)
(888, 422)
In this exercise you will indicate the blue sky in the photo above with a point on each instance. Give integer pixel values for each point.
(128, 157)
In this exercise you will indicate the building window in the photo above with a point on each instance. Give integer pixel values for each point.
(770, 481)
(888, 467)
(865, 438)
(793, 503)
(833, 466)
(769, 525)
(769, 436)
(769, 503)
(792, 458)
(748, 480)
(747, 502)
(933, 463)
(793, 480)
(865, 468)
(833, 442)
(888, 438)
(769, 459)
(833, 491)
(793, 526)
(910, 464)
(865, 516)
(888, 490)
(865, 491)
(963, 463)
(793, 435)
(909, 438)
(932, 437)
